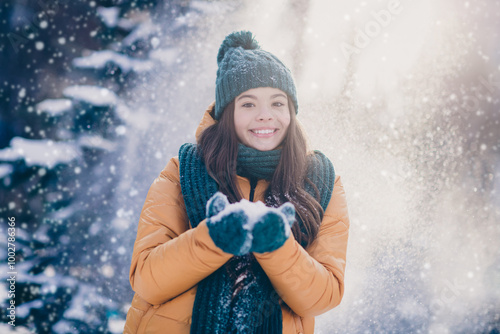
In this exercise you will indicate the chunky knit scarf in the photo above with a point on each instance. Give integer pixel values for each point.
(255, 308)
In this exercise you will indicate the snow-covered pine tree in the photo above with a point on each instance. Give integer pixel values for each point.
(56, 174)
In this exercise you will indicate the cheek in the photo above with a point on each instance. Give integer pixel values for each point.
(285, 121)
(240, 123)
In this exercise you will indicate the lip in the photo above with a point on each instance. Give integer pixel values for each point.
(264, 135)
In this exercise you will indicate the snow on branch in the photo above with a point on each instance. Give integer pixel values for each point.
(40, 152)
(99, 59)
(94, 95)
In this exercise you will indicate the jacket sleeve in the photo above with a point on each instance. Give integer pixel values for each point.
(312, 282)
(168, 257)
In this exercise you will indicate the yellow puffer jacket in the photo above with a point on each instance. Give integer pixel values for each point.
(170, 258)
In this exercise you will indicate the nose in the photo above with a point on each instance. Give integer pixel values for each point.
(264, 114)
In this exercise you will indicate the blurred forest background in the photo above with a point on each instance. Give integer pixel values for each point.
(96, 96)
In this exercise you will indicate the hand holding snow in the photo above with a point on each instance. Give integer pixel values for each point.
(246, 226)
(273, 228)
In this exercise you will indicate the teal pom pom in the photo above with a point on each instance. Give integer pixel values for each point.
(236, 39)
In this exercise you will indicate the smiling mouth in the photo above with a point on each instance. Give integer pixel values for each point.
(264, 132)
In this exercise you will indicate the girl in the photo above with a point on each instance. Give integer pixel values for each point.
(245, 232)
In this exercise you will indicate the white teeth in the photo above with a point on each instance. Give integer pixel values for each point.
(263, 131)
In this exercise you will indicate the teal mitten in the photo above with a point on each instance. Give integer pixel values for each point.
(273, 228)
(246, 226)
(228, 225)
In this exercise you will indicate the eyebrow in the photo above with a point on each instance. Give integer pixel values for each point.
(255, 98)
(250, 96)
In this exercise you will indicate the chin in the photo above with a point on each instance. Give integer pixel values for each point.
(264, 147)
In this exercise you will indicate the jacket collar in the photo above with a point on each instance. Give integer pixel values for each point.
(206, 121)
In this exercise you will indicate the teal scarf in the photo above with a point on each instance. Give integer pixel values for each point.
(255, 163)
(219, 307)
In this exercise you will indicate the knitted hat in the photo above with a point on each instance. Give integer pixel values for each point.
(243, 65)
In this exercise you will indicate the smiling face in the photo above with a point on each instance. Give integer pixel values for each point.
(261, 117)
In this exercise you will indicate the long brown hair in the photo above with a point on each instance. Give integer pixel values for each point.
(219, 149)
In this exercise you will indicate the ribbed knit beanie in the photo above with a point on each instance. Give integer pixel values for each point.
(243, 65)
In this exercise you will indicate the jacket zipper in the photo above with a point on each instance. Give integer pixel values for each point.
(253, 184)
